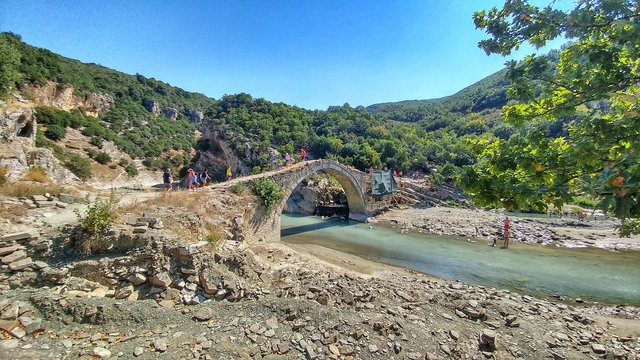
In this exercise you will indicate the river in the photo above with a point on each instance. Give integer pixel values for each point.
(605, 276)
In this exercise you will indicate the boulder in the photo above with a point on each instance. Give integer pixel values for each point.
(160, 279)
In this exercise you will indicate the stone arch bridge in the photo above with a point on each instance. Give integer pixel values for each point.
(355, 183)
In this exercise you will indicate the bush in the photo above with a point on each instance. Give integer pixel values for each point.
(55, 132)
(256, 170)
(37, 174)
(269, 192)
(94, 223)
(131, 170)
(96, 141)
(3, 174)
(238, 188)
(103, 158)
(78, 165)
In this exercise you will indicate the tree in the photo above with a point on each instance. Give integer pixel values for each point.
(593, 83)
(9, 63)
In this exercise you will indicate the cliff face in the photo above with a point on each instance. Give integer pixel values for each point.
(63, 97)
(18, 127)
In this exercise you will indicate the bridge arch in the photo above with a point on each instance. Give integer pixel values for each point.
(353, 182)
(350, 179)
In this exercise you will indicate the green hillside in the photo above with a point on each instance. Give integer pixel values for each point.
(408, 136)
(489, 93)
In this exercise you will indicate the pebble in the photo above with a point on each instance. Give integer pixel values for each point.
(160, 345)
(101, 352)
(9, 344)
(139, 350)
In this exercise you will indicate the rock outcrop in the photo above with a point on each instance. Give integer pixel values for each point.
(170, 113)
(63, 96)
(151, 106)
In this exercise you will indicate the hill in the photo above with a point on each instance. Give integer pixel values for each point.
(489, 93)
(155, 125)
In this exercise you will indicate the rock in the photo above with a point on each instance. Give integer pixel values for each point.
(488, 339)
(170, 113)
(192, 248)
(195, 116)
(67, 343)
(137, 279)
(123, 292)
(21, 264)
(160, 345)
(373, 348)
(334, 349)
(9, 325)
(101, 352)
(454, 335)
(14, 256)
(140, 229)
(203, 314)
(8, 250)
(598, 348)
(39, 264)
(19, 236)
(272, 323)
(151, 106)
(9, 344)
(139, 350)
(167, 304)
(160, 279)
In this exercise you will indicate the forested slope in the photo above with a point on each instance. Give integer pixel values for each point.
(155, 121)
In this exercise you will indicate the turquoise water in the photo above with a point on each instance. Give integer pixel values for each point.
(593, 274)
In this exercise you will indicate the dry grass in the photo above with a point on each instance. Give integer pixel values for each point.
(28, 189)
(179, 199)
(37, 174)
(13, 212)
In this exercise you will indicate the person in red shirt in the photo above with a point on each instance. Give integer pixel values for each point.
(303, 154)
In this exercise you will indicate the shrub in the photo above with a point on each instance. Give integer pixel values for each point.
(37, 174)
(94, 223)
(131, 170)
(103, 158)
(93, 153)
(256, 170)
(238, 188)
(55, 132)
(3, 174)
(269, 192)
(96, 141)
(78, 165)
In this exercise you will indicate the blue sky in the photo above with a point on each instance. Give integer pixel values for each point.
(311, 54)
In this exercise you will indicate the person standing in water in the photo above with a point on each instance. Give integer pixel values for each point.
(506, 231)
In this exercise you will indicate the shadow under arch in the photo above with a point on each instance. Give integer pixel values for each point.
(349, 183)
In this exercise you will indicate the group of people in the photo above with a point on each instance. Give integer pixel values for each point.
(288, 159)
(193, 179)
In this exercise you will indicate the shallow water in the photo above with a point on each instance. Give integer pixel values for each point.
(594, 274)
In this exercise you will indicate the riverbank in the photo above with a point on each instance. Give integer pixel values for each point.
(485, 225)
(173, 295)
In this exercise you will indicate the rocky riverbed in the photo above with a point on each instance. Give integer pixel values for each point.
(159, 294)
(565, 231)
